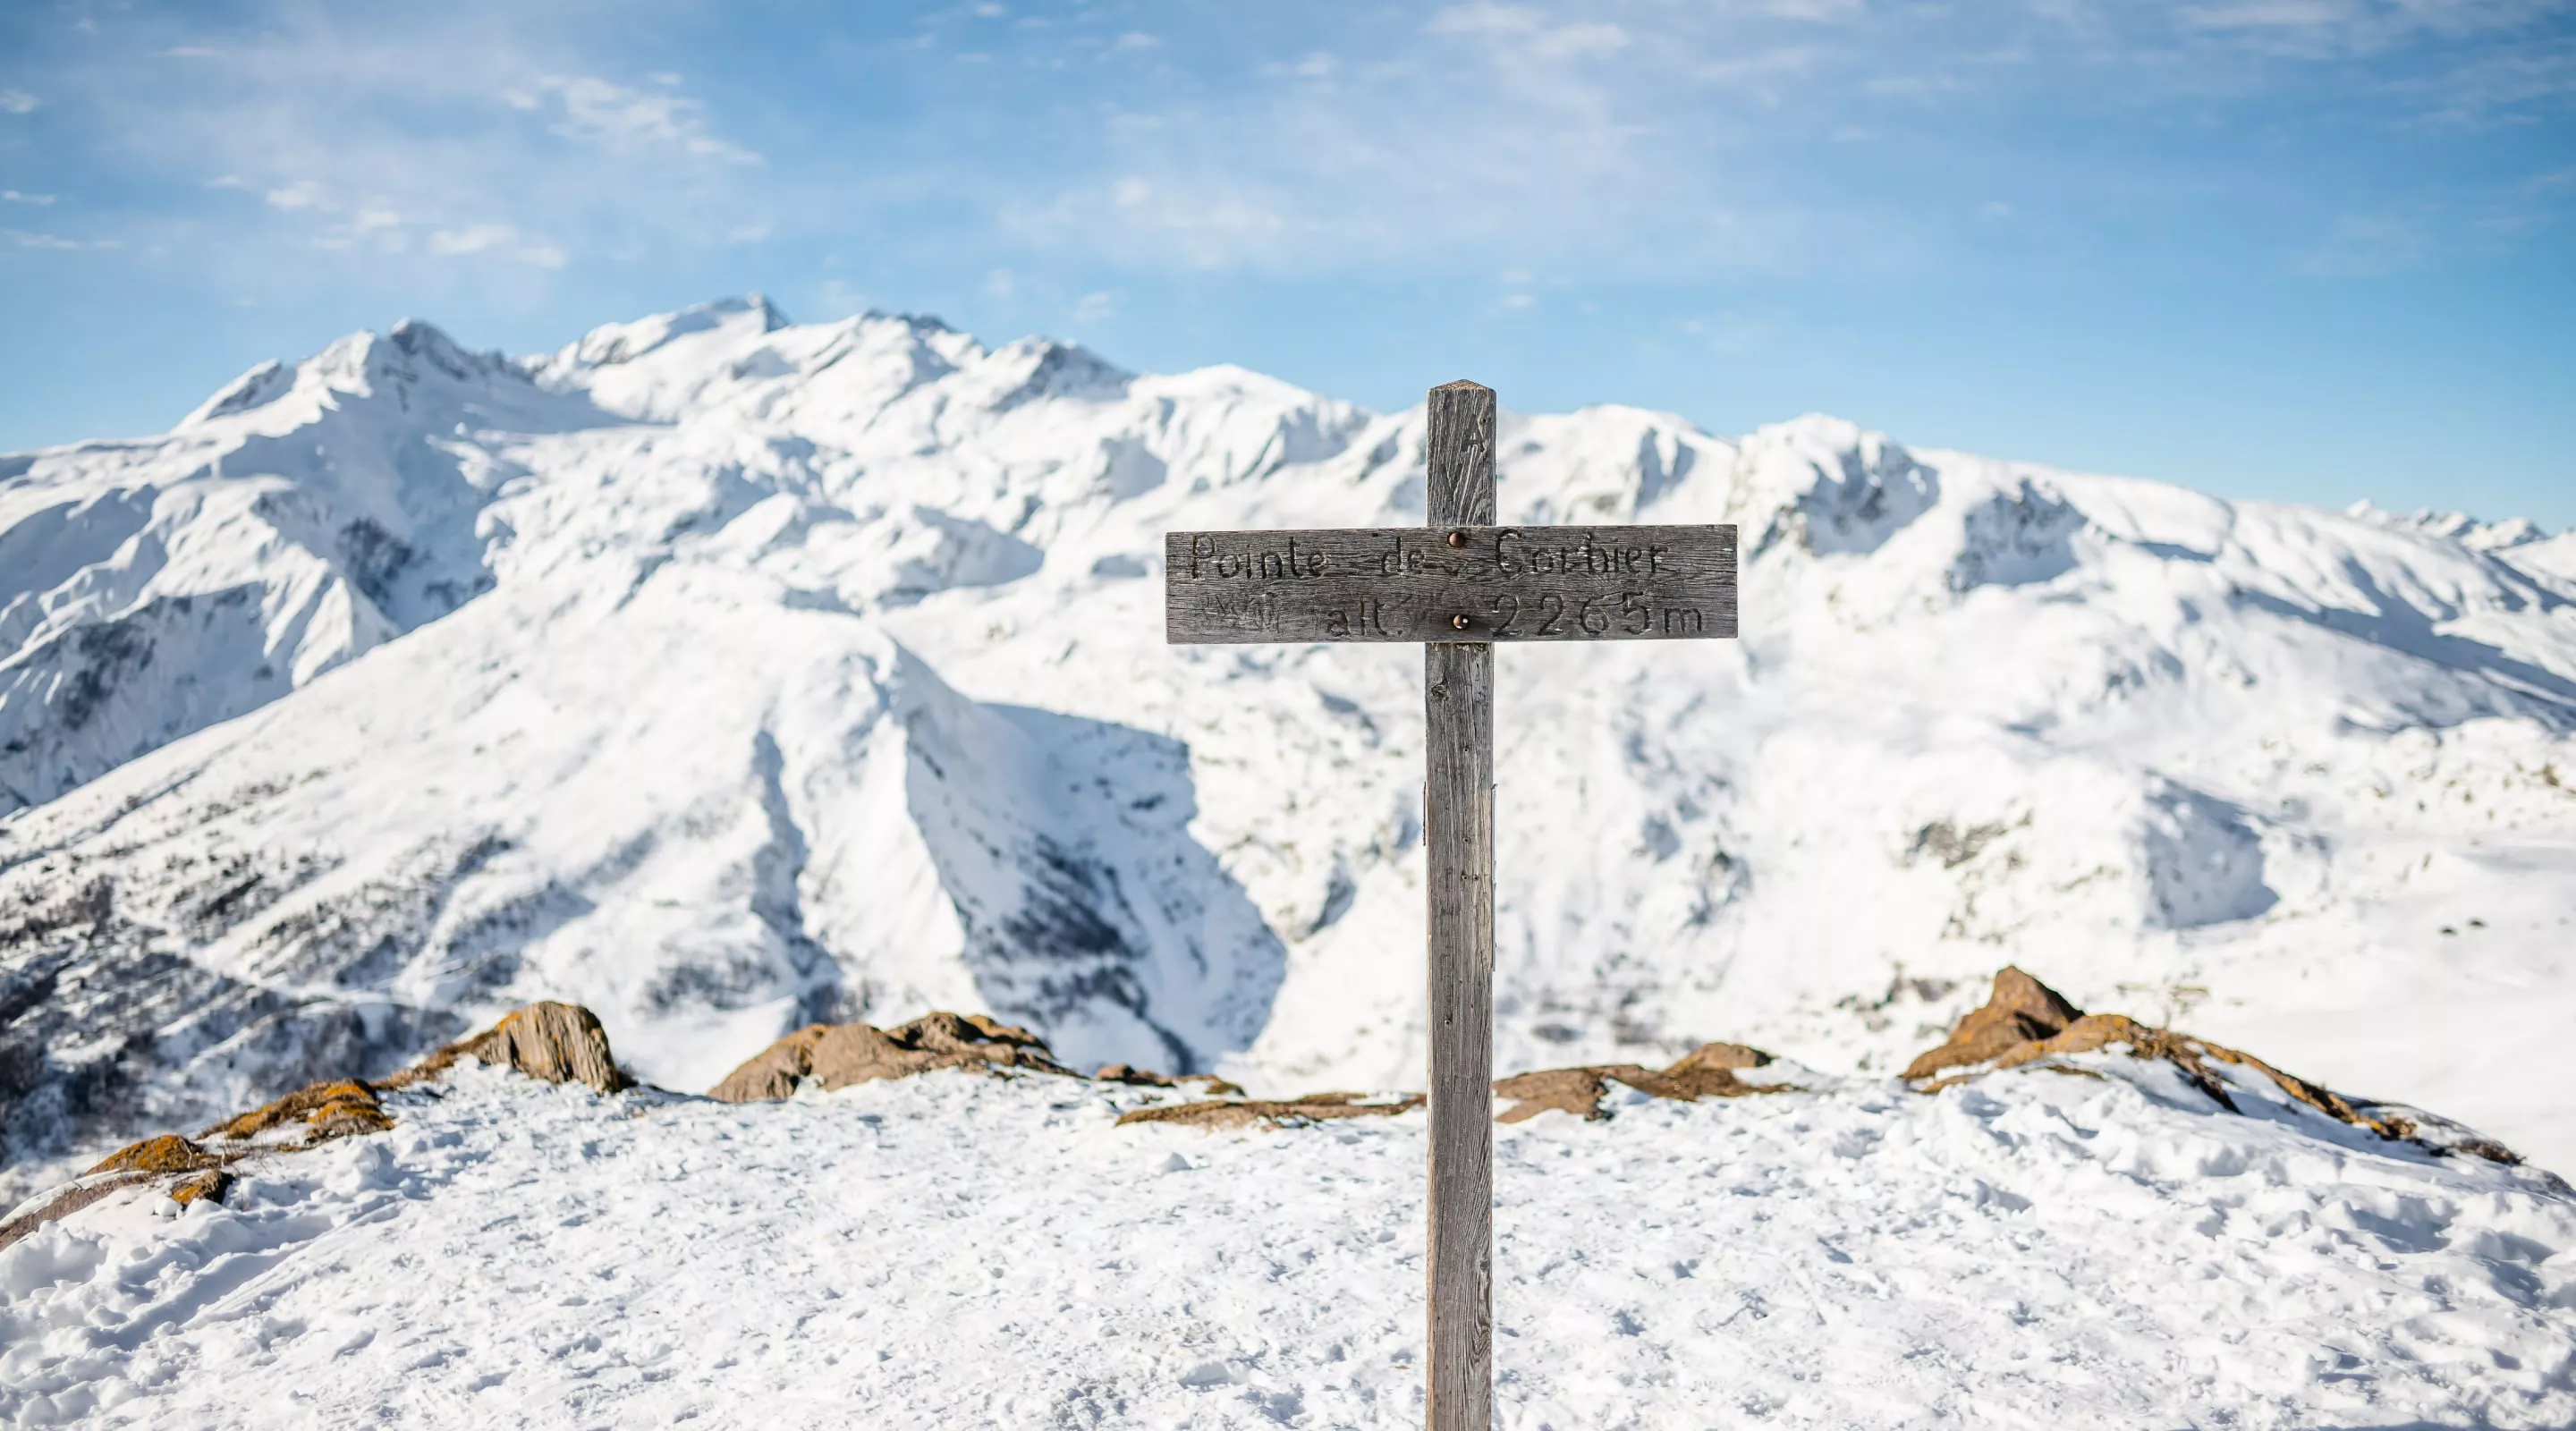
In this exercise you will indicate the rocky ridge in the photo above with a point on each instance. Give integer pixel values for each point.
(2023, 1024)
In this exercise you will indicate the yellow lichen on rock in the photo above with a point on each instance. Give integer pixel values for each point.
(325, 1111)
(210, 1185)
(168, 1153)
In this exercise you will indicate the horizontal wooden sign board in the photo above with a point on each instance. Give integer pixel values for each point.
(1450, 584)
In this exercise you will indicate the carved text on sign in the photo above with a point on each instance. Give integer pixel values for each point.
(1451, 584)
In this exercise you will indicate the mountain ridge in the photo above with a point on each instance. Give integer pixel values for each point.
(771, 672)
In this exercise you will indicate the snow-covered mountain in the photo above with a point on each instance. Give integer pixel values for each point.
(720, 673)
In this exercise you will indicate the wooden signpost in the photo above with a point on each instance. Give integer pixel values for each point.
(1458, 585)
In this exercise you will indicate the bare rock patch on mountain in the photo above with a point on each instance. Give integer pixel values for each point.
(2025, 1023)
(1229, 1113)
(838, 1055)
(1708, 1071)
(550, 1042)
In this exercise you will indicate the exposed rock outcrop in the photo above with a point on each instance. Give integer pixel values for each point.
(559, 1043)
(1708, 1071)
(2027, 1023)
(1208, 1083)
(213, 1183)
(168, 1153)
(548, 1041)
(2021, 1009)
(1278, 1113)
(838, 1055)
(311, 1116)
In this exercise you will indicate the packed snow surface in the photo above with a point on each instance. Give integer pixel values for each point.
(721, 674)
(2030, 1250)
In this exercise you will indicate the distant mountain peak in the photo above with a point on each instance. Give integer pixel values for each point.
(727, 674)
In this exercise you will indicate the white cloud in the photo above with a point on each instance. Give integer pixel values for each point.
(14, 101)
(474, 238)
(1094, 308)
(1618, 139)
(1640, 138)
(402, 133)
(1527, 30)
(595, 111)
(22, 239)
(12, 196)
(498, 240)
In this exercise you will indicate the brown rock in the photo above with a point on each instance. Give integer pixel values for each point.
(211, 1184)
(1705, 1072)
(1727, 1056)
(772, 1073)
(168, 1153)
(1208, 1083)
(838, 1055)
(324, 1111)
(1129, 1073)
(2020, 1010)
(1566, 1090)
(1292, 1112)
(556, 1043)
(2095, 1033)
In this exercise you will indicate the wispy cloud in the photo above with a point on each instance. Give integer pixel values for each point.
(630, 121)
(12, 196)
(1637, 138)
(1616, 139)
(20, 238)
(471, 132)
(18, 101)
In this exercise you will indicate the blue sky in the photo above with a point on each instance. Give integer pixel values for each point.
(2310, 249)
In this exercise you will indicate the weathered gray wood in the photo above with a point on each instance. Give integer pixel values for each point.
(1458, 835)
(1458, 455)
(1451, 582)
(1458, 584)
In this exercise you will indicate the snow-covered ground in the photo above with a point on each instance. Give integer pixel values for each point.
(721, 674)
(2031, 1249)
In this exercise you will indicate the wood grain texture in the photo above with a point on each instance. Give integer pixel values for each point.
(1461, 582)
(1458, 832)
(1458, 456)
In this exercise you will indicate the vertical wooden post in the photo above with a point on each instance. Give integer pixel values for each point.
(1458, 831)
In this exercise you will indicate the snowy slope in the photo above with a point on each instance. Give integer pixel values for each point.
(2032, 1250)
(719, 673)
